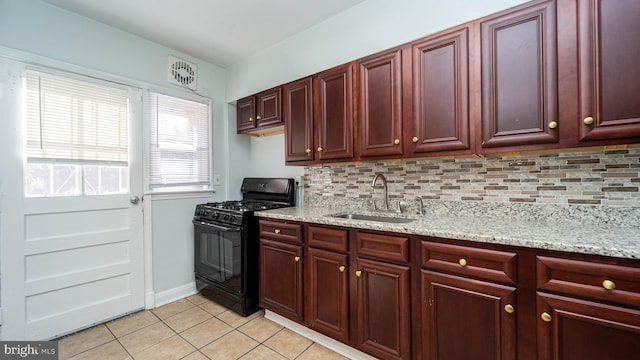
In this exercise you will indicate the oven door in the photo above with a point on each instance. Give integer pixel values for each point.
(218, 255)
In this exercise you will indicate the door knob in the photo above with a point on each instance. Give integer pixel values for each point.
(588, 120)
(134, 199)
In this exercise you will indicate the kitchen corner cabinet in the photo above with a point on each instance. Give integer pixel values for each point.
(333, 113)
(281, 258)
(257, 113)
(380, 104)
(468, 302)
(519, 83)
(609, 69)
(440, 94)
(298, 105)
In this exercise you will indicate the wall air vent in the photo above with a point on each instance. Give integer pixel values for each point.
(182, 73)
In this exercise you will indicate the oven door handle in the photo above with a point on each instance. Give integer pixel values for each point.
(223, 228)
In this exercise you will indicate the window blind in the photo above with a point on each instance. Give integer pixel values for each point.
(179, 146)
(75, 120)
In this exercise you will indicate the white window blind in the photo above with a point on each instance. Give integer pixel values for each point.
(179, 144)
(74, 120)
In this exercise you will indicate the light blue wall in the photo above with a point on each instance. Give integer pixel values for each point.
(38, 28)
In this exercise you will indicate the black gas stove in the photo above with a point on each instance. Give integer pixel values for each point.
(226, 242)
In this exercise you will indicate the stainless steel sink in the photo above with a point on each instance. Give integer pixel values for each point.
(379, 218)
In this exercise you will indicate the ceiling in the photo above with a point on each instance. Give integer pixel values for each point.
(221, 32)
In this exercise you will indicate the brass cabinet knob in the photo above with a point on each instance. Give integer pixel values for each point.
(277, 231)
(297, 258)
(250, 119)
(396, 141)
(308, 151)
(588, 120)
(258, 117)
(358, 273)
(319, 149)
(462, 262)
(553, 125)
(608, 284)
(509, 309)
(414, 139)
(341, 268)
(545, 317)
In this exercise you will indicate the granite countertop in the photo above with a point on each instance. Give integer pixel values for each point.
(608, 240)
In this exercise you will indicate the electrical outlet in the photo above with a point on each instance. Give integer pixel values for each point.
(216, 179)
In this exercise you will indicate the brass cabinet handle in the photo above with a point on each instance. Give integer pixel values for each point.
(277, 231)
(415, 139)
(250, 119)
(462, 262)
(308, 151)
(358, 273)
(608, 284)
(509, 309)
(341, 268)
(297, 258)
(258, 117)
(545, 317)
(319, 149)
(588, 120)
(396, 141)
(553, 125)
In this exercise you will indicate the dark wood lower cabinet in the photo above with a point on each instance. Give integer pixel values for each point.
(575, 329)
(383, 309)
(328, 294)
(467, 319)
(282, 290)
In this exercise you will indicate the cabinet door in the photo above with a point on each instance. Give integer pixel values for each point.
(609, 68)
(383, 309)
(467, 319)
(440, 93)
(298, 117)
(574, 329)
(246, 114)
(333, 113)
(380, 104)
(281, 278)
(328, 295)
(519, 81)
(269, 108)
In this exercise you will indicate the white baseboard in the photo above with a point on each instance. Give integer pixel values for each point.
(174, 294)
(315, 336)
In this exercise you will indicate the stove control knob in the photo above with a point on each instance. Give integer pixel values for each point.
(226, 217)
(232, 218)
(216, 215)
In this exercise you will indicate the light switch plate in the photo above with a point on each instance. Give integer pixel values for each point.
(216, 179)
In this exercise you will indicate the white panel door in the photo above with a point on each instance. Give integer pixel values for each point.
(75, 260)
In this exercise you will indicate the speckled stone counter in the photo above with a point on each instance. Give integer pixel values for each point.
(594, 237)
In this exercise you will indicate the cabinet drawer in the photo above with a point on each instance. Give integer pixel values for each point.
(482, 263)
(281, 231)
(613, 283)
(328, 238)
(388, 247)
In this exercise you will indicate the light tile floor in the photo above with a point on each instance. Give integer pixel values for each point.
(195, 328)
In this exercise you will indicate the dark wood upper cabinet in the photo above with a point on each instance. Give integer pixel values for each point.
(380, 104)
(333, 113)
(298, 105)
(609, 69)
(519, 77)
(440, 93)
(246, 114)
(259, 112)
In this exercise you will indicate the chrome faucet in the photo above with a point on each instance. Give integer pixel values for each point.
(384, 191)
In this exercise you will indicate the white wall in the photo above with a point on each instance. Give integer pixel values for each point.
(38, 28)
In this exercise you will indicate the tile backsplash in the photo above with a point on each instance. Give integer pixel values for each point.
(602, 177)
